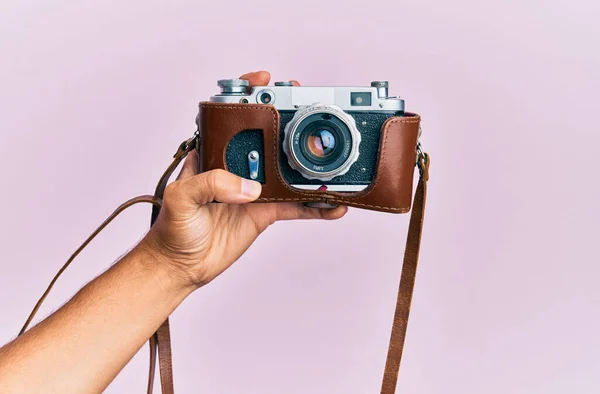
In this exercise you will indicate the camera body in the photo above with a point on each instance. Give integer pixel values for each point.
(330, 137)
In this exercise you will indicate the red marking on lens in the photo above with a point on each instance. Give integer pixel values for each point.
(322, 188)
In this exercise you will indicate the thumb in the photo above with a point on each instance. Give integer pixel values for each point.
(221, 186)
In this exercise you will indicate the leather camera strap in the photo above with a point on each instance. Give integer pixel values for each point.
(161, 340)
(405, 292)
(407, 279)
(121, 208)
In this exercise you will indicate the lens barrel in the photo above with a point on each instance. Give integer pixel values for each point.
(321, 142)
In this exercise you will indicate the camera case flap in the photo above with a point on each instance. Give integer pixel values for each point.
(390, 190)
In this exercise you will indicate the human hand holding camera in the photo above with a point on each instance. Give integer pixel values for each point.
(200, 240)
(325, 146)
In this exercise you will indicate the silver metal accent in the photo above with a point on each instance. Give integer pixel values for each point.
(382, 88)
(291, 98)
(288, 141)
(364, 123)
(380, 84)
(320, 204)
(420, 152)
(253, 159)
(284, 83)
(233, 86)
(189, 144)
(332, 188)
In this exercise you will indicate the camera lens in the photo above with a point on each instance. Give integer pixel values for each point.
(321, 143)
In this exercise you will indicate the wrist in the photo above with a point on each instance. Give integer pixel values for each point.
(168, 276)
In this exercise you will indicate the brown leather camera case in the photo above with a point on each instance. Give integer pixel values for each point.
(391, 190)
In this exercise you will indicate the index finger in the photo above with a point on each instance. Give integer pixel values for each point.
(262, 78)
(258, 78)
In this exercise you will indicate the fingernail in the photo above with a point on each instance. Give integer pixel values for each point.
(251, 188)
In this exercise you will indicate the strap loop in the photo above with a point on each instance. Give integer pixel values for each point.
(187, 146)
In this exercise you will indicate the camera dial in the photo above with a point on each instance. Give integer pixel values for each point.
(233, 86)
(382, 88)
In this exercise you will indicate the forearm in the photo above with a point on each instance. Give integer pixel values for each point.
(83, 345)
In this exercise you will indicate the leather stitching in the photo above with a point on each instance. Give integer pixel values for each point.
(351, 203)
(383, 150)
(305, 195)
(273, 113)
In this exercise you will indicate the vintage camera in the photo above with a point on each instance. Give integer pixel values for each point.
(330, 136)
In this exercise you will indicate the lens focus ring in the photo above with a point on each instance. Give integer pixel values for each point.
(321, 142)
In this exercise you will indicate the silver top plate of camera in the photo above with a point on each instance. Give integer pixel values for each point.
(285, 97)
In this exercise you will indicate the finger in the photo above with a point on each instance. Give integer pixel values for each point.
(258, 78)
(266, 214)
(293, 211)
(190, 166)
(335, 213)
(295, 83)
(221, 186)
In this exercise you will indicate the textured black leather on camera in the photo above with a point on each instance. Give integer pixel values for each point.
(160, 341)
(253, 140)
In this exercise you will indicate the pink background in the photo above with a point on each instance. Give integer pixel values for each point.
(95, 97)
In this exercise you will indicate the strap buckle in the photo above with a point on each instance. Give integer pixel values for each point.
(420, 153)
(422, 158)
(188, 145)
(423, 162)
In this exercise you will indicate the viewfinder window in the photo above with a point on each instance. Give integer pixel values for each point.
(360, 99)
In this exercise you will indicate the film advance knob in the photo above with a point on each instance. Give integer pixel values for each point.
(233, 86)
(284, 83)
(382, 88)
(380, 84)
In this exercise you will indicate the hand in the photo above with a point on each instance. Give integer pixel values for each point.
(199, 239)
